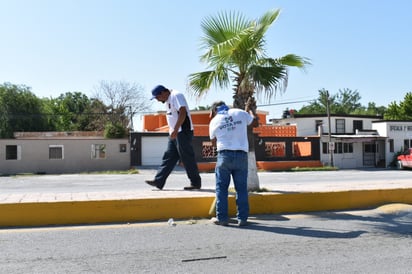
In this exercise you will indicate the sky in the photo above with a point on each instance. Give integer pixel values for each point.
(62, 46)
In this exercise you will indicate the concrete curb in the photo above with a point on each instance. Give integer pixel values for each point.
(155, 209)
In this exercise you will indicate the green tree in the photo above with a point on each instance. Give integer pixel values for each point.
(236, 55)
(69, 112)
(20, 110)
(319, 105)
(401, 111)
(346, 101)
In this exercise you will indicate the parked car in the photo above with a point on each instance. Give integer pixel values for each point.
(405, 159)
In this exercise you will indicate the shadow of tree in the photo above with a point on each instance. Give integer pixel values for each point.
(305, 231)
(396, 223)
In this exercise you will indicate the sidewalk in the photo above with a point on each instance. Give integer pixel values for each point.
(90, 199)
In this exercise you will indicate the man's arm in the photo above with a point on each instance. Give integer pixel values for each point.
(213, 142)
(180, 119)
(255, 122)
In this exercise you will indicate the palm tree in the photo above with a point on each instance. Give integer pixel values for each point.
(236, 55)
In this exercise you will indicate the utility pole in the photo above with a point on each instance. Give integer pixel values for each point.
(331, 145)
(131, 118)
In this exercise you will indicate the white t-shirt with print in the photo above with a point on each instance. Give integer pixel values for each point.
(175, 101)
(230, 129)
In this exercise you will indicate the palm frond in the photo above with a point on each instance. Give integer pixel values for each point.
(234, 51)
(293, 60)
(200, 82)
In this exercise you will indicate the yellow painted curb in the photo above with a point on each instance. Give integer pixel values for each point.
(321, 201)
(117, 211)
(110, 211)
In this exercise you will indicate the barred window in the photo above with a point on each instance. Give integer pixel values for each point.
(340, 125)
(339, 148)
(12, 152)
(347, 147)
(275, 149)
(55, 152)
(357, 124)
(208, 150)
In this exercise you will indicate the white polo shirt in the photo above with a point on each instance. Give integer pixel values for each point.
(175, 101)
(230, 129)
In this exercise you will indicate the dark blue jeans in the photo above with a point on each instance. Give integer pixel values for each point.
(232, 164)
(180, 148)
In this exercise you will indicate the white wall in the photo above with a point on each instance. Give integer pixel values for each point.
(34, 156)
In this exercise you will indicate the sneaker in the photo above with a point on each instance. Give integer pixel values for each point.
(153, 183)
(242, 223)
(217, 222)
(191, 187)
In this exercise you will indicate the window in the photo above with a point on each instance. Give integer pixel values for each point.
(396, 128)
(406, 143)
(391, 146)
(301, 149)
(357, 125)
(370, 148)
(123, 147)
(325, 148)
(340, 125)
(208, 150)
(99, 151)
(275, 149)
(347, 147)
(55, 152)
(318, 123)
(13, 152)
(339, 148)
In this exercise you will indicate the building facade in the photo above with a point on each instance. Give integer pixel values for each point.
(354, 141)
(399, 137)
(62, 152)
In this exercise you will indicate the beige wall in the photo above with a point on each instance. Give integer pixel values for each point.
(34, 156)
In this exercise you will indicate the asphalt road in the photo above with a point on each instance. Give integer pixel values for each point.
(369, 241)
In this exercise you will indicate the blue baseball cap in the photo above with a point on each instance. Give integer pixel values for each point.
(157, 90)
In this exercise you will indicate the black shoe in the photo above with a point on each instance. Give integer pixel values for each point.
(154, 183)
(217, 222)
(191, 187)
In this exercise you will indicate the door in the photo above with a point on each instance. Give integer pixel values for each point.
(369, 154)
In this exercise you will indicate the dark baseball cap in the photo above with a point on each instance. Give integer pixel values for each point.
(157, 90)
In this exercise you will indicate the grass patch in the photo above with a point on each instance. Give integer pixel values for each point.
(130, 171)
(324, 168)
(260, 190)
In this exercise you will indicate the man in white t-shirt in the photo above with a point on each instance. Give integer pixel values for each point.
(179, 146)
(228, 132)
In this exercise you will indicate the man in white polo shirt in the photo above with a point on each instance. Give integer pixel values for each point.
(179, 146)
(228, 132)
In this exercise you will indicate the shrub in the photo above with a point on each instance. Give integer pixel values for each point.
(114, 131)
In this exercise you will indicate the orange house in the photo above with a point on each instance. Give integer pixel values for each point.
(157, 123)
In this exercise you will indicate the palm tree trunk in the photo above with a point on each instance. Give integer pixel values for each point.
(239, 101)
(252, 178)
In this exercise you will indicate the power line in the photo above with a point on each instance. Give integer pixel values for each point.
(285, 103)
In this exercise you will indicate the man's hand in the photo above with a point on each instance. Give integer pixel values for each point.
(174, 133)
(250, 105)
